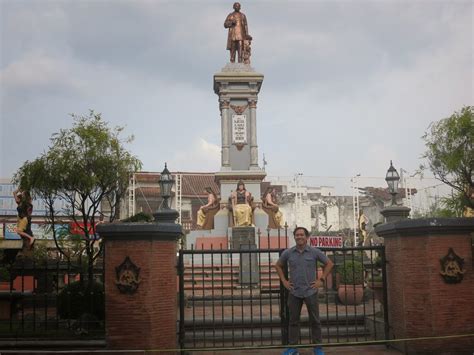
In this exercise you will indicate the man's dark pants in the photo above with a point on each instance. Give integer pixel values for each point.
(294, 306)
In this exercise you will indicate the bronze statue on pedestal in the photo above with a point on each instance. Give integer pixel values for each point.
(238, 39)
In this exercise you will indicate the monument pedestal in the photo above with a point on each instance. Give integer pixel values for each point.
(243, 238)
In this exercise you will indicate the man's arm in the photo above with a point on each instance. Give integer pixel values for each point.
(229, 21)
(326, 270)
(279, 269)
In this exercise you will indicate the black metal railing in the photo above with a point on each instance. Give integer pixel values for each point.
(52, 299)
(233, 297)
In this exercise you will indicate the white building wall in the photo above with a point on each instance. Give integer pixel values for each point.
(297, 216)
(332, 213)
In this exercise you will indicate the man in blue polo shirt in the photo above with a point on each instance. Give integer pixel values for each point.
(303, 285)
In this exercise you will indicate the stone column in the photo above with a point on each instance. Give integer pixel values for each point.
(140, 285)
(421, 301)
(225, 133)
(253, 135)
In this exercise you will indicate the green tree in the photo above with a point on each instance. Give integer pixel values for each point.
(86, 166)
(450, 156)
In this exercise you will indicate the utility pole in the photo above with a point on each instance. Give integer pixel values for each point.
(131, 196)
(404, 179)
(355, 204)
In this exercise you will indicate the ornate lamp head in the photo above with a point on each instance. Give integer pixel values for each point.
(392, 178)
(166, 184)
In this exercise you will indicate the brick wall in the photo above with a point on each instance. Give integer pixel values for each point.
(146, 319)
(420, 303)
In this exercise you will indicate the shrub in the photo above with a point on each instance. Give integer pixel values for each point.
(77, 298)
(139, 217)
(4, 274)
(352, 273)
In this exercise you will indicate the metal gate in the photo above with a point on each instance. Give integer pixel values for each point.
(233, 298)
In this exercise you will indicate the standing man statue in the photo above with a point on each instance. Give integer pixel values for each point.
(236, 22)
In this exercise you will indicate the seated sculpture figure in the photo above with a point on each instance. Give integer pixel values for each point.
(241, 206)
(206, 213)
(271, 208)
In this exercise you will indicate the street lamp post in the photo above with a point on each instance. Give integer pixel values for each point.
(394, 212)
(165, 213)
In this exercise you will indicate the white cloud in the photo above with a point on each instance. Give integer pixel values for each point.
(39, 71)
(200, 155)
(347, 86)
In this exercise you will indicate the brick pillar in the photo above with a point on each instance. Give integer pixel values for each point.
(420, 302)
(146, 318)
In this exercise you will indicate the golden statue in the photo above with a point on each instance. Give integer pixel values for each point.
(247, 50)
(468, 211)
(236, 22)
(363, 221)
(241, 206)
(206, 213)
(271, 208)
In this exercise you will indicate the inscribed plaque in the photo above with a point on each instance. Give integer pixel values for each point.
(239, 129)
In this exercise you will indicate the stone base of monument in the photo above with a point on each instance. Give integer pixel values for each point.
(243, 238)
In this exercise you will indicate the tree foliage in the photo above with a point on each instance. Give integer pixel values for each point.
(86, 166)
(450, 155)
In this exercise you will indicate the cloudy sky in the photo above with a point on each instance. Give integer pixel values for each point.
(348, 85)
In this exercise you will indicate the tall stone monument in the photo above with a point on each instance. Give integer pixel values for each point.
(237, 86)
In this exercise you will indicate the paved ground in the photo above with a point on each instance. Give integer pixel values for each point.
(339, 350)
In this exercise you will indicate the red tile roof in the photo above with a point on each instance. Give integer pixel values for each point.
(383, 193)
(147, 191)
(193, 184)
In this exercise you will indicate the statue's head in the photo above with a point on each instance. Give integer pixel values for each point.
(240, 185)
(209, 190)
(237, 6)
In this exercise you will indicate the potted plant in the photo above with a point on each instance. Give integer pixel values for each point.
(4, 273)
(4, 279)
(375, 283)
(351, 282)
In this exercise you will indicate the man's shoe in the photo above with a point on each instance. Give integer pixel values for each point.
(318, 351)
(290, 351)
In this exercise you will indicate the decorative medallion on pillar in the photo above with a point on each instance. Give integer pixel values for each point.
(452, 268)
(238, 109)
(128, 277)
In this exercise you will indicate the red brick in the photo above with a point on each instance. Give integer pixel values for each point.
(420, 303)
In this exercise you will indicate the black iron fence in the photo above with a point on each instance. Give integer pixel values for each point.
(233, 297)
(51, 299)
